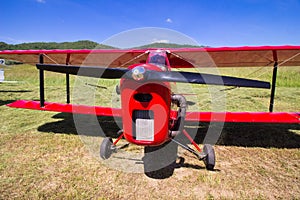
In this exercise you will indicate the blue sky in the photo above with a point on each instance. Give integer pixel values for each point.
(213, 23)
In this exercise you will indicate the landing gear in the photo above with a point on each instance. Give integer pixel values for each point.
(106, 148)
(209, 159)
(207, 154)
(164, 155)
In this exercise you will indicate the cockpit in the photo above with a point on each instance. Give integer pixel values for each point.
(159, 60)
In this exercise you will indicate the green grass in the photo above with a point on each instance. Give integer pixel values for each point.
(42, 157)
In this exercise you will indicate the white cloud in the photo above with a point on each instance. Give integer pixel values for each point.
(10, 40)
(160, 41)
(41, 1)
(169, 20)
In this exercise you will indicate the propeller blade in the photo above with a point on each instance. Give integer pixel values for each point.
(199, 78)
(169, 76)
(90, 71)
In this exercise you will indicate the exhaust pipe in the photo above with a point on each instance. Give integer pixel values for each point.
(182, 104)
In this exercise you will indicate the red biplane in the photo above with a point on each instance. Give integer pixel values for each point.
(145, 88)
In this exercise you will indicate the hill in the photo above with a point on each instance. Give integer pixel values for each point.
(82, 44)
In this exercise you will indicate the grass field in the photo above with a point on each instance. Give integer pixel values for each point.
(41, 155)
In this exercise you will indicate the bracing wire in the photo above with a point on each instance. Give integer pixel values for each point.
(232, 89)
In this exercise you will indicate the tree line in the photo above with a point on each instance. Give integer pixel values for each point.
(82, 44)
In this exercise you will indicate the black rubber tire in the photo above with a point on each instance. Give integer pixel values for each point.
(105, 148)
(210, 158)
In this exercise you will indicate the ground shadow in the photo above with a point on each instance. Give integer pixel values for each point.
(109, 125)
(160, 161)
(64, 126)
(151, 161)
(168, 171)
(233, 134)
(15, 91)
(5, 102)
(251, 134)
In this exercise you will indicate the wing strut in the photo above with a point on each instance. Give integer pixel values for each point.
(274, 76)
(42, 88)
(68, 79)
(42, 80)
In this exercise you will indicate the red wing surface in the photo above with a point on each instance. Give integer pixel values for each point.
(98, 57)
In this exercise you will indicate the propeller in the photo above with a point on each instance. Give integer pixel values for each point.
(140, 74)
(90, 71)
(210, 79)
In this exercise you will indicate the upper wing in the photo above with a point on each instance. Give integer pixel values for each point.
(235, 56)
(97, 57)
(179, 58)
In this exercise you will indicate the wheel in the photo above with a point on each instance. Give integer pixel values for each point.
(106, 148)
(209, 159)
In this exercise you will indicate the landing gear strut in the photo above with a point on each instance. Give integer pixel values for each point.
(207, 154)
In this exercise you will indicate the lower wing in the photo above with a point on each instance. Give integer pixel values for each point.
(238, 117)
(67, 108)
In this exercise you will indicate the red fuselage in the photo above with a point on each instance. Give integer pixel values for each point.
(146, 105)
